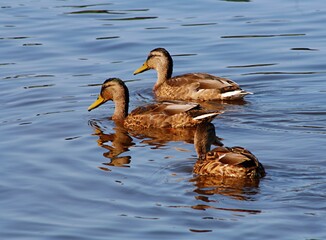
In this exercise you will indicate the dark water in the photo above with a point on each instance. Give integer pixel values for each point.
(70, 174)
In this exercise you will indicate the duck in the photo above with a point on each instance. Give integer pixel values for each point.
(189, 86)
(234, 162)
(155, 115)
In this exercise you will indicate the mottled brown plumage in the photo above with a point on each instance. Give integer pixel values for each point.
(190, 86)
(223, 161)
(157, 115)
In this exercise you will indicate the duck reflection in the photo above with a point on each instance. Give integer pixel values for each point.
(158, 137)
(231, 171)
(222, 106)
(121, 142)
(227, 186)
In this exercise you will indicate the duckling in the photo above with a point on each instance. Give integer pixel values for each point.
(235, 162)
(190, 86)
(156, 115)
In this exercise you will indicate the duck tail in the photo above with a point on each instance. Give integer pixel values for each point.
(207, 116)
(236, 94)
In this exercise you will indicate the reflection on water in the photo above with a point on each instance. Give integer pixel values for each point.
(120, 143)
(197, 24)
(266, 35)
(304, 49)
(237, 0)
(223, 106)
(95, 12)
(283, 73)
(254, 65)
(207, 207)
(241, 189)
(129, 19)
(40, 86)
(106, 38)
(29, 76)
(159, 136)
(85, 6)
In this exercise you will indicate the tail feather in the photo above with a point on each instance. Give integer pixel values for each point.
(236, 94)
(207, 115)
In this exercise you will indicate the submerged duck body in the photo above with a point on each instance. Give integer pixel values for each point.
(190, 86)
(236, 162)
(157, 115)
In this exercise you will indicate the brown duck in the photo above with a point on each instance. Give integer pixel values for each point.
(222, 161)
(190, 86)
(156, 115)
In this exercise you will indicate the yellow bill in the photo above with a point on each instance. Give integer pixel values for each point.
(100, 100)
(143, 68)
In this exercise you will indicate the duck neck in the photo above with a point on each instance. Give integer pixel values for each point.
(202, 147)
(202, 140)
(121, 106)
(164, 72)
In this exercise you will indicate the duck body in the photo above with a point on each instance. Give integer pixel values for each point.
(190, 86)
(198, 86)
(156, 115)
(236, 162)
(166, 115)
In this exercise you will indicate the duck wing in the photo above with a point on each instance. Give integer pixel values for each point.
(204, 81)
(167, 115)
(164, 108)
(236, 156)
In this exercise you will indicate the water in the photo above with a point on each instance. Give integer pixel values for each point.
(70, 174)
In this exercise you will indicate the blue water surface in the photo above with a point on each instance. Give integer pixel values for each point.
(67, 173)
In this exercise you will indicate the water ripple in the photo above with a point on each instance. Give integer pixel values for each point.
(82, 177)
(266, 35)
